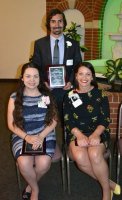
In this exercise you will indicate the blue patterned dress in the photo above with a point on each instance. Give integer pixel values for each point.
(33, 124)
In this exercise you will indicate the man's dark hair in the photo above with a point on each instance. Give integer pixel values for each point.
(52, 13)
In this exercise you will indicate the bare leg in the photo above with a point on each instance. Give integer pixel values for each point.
(83, 159)
(80, 156)
(27, 170)
(42, 165)
(100, 168)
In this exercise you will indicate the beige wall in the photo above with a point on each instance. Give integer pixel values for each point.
(20, 25)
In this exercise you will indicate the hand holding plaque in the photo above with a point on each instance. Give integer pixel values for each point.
(28, 150)
(56, 76)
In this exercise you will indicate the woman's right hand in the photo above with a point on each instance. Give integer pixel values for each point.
(34, 140)
(82, 141)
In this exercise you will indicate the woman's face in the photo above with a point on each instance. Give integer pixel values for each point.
(31, 78)
(84, 76)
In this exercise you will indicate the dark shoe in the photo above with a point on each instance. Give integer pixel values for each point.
(26, 195)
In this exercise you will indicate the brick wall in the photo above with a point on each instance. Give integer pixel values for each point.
(114, 101)
(92, 10)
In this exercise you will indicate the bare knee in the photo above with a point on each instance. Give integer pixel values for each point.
(43, 163)
(95, 156)
(79, 157)
(25, 163)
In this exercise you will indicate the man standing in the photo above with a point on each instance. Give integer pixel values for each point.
(66, 52)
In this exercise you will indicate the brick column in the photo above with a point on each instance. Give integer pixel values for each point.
(115, 99)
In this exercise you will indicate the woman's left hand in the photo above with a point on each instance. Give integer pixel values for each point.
(38, 143)
(94, 140)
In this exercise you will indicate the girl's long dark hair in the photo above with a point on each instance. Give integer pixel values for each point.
(18, 110)
(91, 68)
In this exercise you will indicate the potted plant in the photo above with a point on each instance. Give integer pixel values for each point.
(72, 33)
(114, 73)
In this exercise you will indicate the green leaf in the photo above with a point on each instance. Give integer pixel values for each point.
(111, 78)
(83, 48)
(114, 69)
(118, 63)
(71, 32)
(120, 74)
(110, 62)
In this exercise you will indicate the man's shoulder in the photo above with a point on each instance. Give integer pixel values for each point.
(45, 38)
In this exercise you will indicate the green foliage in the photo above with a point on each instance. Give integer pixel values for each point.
(71, 32)
(114, 70)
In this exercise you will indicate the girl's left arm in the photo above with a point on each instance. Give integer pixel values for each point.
(48, 129)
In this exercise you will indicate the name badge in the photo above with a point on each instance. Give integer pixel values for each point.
(76, 101)
(41, 104)
(69, 62)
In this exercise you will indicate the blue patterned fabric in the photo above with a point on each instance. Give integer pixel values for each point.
(33, 124)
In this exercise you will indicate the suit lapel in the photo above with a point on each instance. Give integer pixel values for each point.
(65, 50)
(48, 50)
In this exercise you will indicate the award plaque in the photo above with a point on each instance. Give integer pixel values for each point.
(27, 149)
(56, 76)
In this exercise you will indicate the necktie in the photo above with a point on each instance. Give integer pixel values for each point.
(56, 53)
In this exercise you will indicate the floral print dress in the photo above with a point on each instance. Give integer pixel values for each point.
(90, 110)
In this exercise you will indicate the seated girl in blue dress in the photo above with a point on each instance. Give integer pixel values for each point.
(32, 116)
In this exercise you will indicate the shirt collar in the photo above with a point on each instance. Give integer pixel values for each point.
(59, 38)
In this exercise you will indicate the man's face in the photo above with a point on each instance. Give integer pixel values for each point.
(56, 25)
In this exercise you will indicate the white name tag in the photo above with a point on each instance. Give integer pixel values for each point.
(41, 104)
(69, 62)
(76, 101)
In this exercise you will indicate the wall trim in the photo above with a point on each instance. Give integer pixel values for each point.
(8, 80)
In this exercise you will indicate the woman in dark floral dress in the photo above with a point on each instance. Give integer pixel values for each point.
(86, 116)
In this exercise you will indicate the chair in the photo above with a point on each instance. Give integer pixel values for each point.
(19, 181)
(119, 143)
(107, 156)
(58, 156)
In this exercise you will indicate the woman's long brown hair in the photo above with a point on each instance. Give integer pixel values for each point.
(18, 110)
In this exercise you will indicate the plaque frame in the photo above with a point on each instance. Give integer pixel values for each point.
(56, 76)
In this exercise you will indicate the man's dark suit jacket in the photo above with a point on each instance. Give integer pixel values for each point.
(42, 56)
